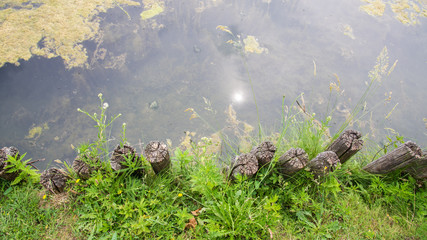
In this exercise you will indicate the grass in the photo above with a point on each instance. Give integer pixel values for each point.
(195, 200)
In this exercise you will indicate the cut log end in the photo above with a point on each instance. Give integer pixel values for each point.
(346, 145)
(157, 155)
(294, 160)
(54, 180)
(119, 156)
(4, 154)
(246, 164)
(264, 152)
(83, 166)
(323, 163)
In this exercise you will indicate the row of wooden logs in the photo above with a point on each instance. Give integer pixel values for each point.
(407, 157)
(55, 179)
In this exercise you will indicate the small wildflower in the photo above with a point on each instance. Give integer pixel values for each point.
(105, 105)
(100, 95)
(78, 180)
(179, 194)
(326, 167)
(119, 192)
(79, 110)
(44, 196)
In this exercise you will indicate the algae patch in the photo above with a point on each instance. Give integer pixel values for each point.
(374, 7)
(252, 45)
(152, 8)
(406, 11)
(51, 28)
(36, 131)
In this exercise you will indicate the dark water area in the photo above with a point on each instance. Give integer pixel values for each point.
(180, 59)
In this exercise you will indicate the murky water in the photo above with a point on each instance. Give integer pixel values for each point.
(180, 59)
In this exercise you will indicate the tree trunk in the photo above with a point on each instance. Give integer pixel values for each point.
(323, 163)
(399, 158)
(346, 145)
(292, 161)
(157, 155)
(264, 152)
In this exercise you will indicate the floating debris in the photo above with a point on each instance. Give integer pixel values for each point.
(154, 105)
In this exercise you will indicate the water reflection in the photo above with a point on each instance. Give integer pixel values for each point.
(180, 59)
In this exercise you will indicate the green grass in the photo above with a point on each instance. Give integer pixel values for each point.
(194, 200)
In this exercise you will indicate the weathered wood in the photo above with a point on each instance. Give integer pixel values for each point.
(54, 180)
(346, 145)
(418, 167)
(4, 153)
(119, 156)
(245, 164)
(292, 161)
(157, 155)
(323, 163)
(399, 158)
(264, 152)
(84, 165)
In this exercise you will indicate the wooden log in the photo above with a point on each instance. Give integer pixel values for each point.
(399, 158)
(323, 163)
(157, 155)
(245, 164)
(418, 167)
(264, 152)
(346, 145)
(4, 154)
(54, 180)
(292, 161)
(119, 156)
(84, 165)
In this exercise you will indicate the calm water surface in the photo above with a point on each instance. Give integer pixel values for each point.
(183, 61)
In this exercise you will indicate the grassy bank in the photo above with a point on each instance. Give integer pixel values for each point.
(194, 199)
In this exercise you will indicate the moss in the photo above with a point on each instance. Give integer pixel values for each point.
(51, 29)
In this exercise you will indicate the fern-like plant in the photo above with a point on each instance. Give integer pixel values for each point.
(16, 164)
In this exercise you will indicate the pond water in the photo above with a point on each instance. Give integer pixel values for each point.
(209, 54)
